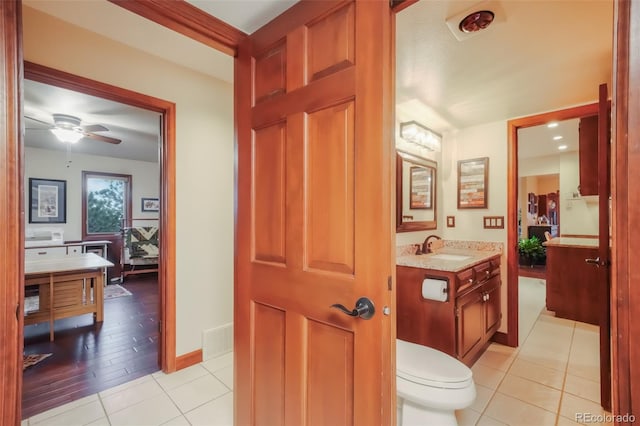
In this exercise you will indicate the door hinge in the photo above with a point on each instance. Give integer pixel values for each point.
(457, 312)
(159, 327)
(389, 283)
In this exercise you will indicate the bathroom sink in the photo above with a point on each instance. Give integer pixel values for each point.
(445, 256)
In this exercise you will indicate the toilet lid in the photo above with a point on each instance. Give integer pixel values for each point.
(427, 366)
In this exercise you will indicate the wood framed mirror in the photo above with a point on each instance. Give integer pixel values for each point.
(415, 193)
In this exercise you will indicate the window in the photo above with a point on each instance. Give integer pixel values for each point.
(106, 202)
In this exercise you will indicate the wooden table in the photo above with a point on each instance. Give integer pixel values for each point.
(67, 286)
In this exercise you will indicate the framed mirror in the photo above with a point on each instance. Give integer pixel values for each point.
(415, 193)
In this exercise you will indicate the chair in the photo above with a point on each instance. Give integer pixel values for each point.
(140, 248)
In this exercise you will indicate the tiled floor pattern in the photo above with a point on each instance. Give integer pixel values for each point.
(198, 395)
(553, 376)
(550, 380)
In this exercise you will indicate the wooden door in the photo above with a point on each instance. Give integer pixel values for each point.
(11, 214)
(314, 219)
(604, 270)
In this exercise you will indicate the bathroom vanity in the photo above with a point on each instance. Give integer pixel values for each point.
(462, 325)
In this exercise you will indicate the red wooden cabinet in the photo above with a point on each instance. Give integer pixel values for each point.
(463, 325)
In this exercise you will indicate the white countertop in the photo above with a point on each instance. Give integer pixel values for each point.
(65, 264)
(431, 261)
(572, 242)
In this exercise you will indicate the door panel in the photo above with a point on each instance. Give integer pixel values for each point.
(269, 174)
(329, 366)
(314, 225)
(268, 339)
(329, 239)
(331, 43)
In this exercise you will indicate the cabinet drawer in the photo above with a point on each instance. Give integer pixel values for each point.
(482, 271)
(464, 279)
(38, 253)
(74, 250)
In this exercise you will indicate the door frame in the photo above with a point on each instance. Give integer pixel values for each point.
(167, 225)
(512, 202)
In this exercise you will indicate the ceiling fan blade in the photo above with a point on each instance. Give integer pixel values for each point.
(94, 128)
(102, 138)
(39, 121)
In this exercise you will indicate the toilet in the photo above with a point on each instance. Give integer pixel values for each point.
(431, 385)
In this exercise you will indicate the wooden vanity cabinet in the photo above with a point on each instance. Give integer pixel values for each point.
(463, 325)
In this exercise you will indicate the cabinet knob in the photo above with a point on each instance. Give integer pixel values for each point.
(470, 280)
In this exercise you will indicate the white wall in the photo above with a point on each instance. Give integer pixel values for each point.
(51, 164)
(578, 216)
(204, 158)
(486, 140)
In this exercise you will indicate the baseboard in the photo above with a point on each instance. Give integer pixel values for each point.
(501, 338)
(189, 359)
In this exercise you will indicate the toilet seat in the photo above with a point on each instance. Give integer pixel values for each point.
(429, 367)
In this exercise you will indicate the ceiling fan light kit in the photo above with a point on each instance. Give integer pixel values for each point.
(69, 129)
(67, 135)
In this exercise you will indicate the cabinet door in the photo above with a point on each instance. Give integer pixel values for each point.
(492, 306)
(470, 324)
(588, 154)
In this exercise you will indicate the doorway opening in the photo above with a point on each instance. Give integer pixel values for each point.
(101, 189)
(528, 157)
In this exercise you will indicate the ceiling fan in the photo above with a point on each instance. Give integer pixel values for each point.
(68, 128)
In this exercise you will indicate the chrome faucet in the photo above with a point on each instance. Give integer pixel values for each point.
(426, 246)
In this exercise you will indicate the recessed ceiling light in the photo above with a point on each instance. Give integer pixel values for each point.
(552, 124)
(557, 138)
(562, 147)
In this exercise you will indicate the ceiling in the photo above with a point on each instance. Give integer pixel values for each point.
(537, 56)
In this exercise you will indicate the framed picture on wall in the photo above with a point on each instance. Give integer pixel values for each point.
(473, 186)
(150, 204)
(48, 200)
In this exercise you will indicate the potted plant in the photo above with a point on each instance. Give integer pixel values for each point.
(531, 250)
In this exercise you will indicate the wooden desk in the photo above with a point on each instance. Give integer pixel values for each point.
(67, 286)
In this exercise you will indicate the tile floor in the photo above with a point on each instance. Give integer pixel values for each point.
(550, 380)
(198, 395)
(553, 376)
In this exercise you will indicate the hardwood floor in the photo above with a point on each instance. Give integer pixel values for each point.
(90, 358)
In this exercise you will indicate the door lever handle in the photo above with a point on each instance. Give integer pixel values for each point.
(597, 262)
(364, 309)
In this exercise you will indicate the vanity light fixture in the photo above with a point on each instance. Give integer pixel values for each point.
(562, 147)
(424, 137)
(552, 124)
(557, 138)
